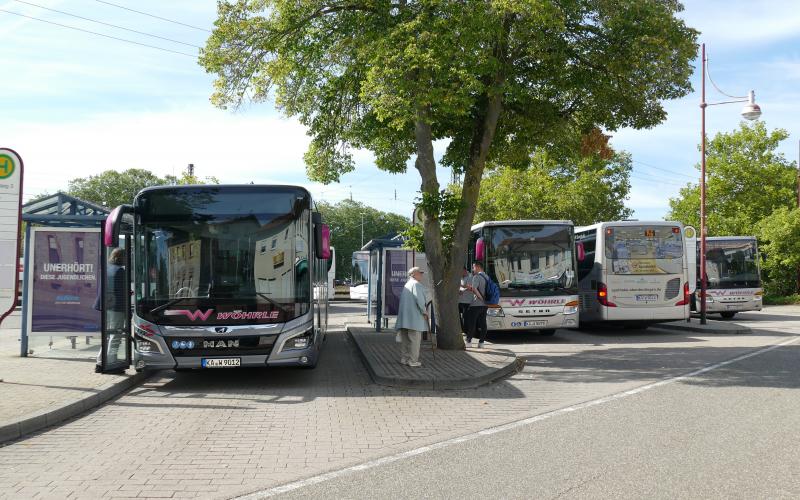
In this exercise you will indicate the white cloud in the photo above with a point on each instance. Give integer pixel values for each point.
(731, 24)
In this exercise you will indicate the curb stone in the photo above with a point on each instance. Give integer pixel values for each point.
(711, 328)
(36, 421)
(432, 384)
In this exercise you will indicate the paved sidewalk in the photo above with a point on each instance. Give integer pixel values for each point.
(56, 383)
(711, 327)
(440, 369)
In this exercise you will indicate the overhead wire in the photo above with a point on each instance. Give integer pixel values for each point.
(153, 16)
(193, 56)
(107, 24)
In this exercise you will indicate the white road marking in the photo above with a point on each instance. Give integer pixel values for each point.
(277, 490)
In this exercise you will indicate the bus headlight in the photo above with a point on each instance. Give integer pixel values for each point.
(301, 341)
(144, 344)
(571, 307)
(495, 312)
(709, 298)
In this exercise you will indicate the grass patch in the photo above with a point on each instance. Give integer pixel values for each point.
(781, 300)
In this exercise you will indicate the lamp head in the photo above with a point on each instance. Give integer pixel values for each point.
(751, 110)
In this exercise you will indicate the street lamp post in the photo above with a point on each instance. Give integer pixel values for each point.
(751, 111)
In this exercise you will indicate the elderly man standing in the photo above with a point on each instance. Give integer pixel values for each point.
(412, 319)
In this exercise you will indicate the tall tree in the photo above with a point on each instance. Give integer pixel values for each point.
(353, 224)
(495, 78)
(746, 180)
(112, 188)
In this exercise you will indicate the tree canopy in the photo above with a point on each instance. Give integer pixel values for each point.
(112, 188)
(746, 180)
(584, 190)
(494, 78)
(779, 239)
(346, 220)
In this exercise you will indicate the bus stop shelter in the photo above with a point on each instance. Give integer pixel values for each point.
(388, 267)
(61, 268)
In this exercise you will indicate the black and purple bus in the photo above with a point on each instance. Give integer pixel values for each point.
(224, 276)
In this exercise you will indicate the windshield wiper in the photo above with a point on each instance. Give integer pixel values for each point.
(167, 304)
(271, 302)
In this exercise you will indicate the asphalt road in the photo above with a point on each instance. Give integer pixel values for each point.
(726, 432)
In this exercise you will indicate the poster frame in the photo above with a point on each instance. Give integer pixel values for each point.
(30, 275)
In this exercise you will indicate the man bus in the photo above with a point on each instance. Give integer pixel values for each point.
(634, 273)
(225, 276)
(533, 264)
(733, 276)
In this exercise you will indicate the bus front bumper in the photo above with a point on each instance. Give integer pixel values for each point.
(527, 323)
(721, 305)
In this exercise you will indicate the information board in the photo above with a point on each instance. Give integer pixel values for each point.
(10, 208)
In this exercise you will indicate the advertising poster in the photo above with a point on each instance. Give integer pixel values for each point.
(398, 262)
(65, 274)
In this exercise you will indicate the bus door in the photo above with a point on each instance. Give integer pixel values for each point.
(115, 275)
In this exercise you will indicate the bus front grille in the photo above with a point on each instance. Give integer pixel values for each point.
(221, 345)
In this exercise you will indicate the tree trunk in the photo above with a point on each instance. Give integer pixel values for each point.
(445, 287)
(446, 264)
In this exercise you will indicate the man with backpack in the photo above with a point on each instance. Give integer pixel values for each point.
(484, 292)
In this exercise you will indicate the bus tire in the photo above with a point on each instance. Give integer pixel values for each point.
(547, 333)
(728, 314)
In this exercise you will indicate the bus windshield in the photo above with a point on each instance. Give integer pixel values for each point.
(732, 264)
(241, 253)
(644, 249)
(535, 258)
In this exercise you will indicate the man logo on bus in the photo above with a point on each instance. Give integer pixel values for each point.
(192, 315)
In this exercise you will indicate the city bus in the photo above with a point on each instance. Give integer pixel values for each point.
(733, 276)
(633, 273)
(225, 276)
(533, 264)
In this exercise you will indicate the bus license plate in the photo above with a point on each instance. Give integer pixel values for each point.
(526, 324)
(648, 297)
(222, 363)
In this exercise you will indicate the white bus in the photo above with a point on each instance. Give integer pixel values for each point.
(635, 273)
(533, 263)
(733, 276)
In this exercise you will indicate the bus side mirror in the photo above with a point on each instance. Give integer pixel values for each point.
(581, 252)
(113, 223)
(480, 249)
(322, 241)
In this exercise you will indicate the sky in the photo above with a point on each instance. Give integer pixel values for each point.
(74, 104)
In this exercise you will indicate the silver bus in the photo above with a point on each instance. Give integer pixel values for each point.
(733, 276)
(633, 272)
(533, 264)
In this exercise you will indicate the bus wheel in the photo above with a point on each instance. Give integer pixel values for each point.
(728, 314)
(547, 333)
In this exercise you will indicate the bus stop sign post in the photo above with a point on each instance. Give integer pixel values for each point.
(10, 209)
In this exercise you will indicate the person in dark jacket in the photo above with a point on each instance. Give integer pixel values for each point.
(115, 304)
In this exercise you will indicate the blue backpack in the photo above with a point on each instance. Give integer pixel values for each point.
(492, 291)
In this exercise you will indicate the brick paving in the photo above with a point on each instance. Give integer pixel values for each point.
(53, 376)
(440, 369)
(219, 434)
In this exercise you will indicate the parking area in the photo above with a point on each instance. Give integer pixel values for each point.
(223, 433)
